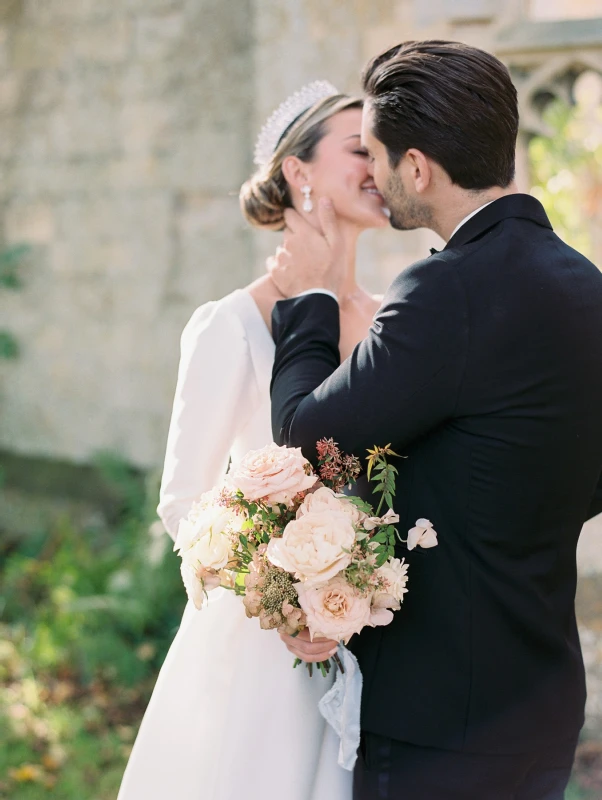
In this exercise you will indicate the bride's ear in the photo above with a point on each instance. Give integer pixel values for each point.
(295, 172)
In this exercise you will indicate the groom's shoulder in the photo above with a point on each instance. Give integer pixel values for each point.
(436, 273)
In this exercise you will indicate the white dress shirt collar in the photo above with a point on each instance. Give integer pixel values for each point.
(472, 213)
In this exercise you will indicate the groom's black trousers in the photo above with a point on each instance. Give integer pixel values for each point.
(394, 770)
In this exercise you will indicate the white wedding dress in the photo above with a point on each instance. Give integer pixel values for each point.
(229, 717)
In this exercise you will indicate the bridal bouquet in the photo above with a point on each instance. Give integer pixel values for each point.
(299, 552)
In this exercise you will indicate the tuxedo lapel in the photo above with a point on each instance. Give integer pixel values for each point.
(521, 206)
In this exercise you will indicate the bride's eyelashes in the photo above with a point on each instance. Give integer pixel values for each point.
(362, 152)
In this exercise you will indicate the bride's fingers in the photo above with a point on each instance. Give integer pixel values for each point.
(305, 636)
(303, 647)
(313, 659)
(315, 655)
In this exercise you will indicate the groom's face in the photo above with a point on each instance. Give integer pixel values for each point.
(406, 210)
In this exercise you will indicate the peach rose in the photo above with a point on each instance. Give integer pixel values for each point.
(312, 547)
(423, 535)
(335, 610)
(324, 499)
(273, 474)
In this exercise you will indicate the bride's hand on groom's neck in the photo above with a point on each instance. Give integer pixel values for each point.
(309, 258)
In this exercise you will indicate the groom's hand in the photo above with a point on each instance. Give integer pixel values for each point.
(309, 258)
(302, 647)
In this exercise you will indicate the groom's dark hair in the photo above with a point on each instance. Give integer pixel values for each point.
(455, 103)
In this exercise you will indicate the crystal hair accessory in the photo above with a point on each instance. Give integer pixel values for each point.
(286, 113)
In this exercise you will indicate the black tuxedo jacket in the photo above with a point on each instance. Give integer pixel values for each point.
(484, 369)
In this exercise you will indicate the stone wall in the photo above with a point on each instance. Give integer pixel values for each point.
(126, 129)
(124, 137)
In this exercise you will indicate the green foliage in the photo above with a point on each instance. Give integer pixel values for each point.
(86, 616)
(89, 598)
(383, 475)
(9, 347)
(566, 171)
(575, 792)
(10, 259)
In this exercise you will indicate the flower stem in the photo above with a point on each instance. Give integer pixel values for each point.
(339, 663)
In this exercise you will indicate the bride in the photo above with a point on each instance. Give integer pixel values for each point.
(229, 717)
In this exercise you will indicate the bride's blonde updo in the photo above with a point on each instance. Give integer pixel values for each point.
(264, 197)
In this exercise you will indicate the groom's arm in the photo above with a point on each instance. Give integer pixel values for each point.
(401, 381)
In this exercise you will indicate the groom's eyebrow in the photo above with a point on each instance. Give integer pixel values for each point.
(353, 136)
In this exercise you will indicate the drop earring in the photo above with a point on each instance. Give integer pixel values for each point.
(307, 204)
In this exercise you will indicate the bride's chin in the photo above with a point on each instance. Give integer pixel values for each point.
(368, 218)
(380, 220)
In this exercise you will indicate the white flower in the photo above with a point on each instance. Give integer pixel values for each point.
(390, 518)
(380, 616)
(423, 535)
(393, 579)
(204, 537)
(312, 547)
(195, 588)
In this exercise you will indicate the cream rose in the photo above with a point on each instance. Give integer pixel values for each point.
(273, 474)
(335, 610)
(324, 499)
(312, 547)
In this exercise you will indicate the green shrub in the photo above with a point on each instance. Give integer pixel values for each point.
(87, 614)
(91, 600)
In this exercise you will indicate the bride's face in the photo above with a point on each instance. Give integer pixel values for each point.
(340, 171)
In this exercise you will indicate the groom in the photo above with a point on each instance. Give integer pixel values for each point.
(483, 368)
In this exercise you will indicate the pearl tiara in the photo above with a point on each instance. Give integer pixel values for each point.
(286, 113)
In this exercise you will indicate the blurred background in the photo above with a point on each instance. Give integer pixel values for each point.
(126, 130)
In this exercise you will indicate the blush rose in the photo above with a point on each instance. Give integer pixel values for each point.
(273, 474)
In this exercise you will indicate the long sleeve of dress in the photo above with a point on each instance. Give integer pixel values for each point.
(215, 377)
